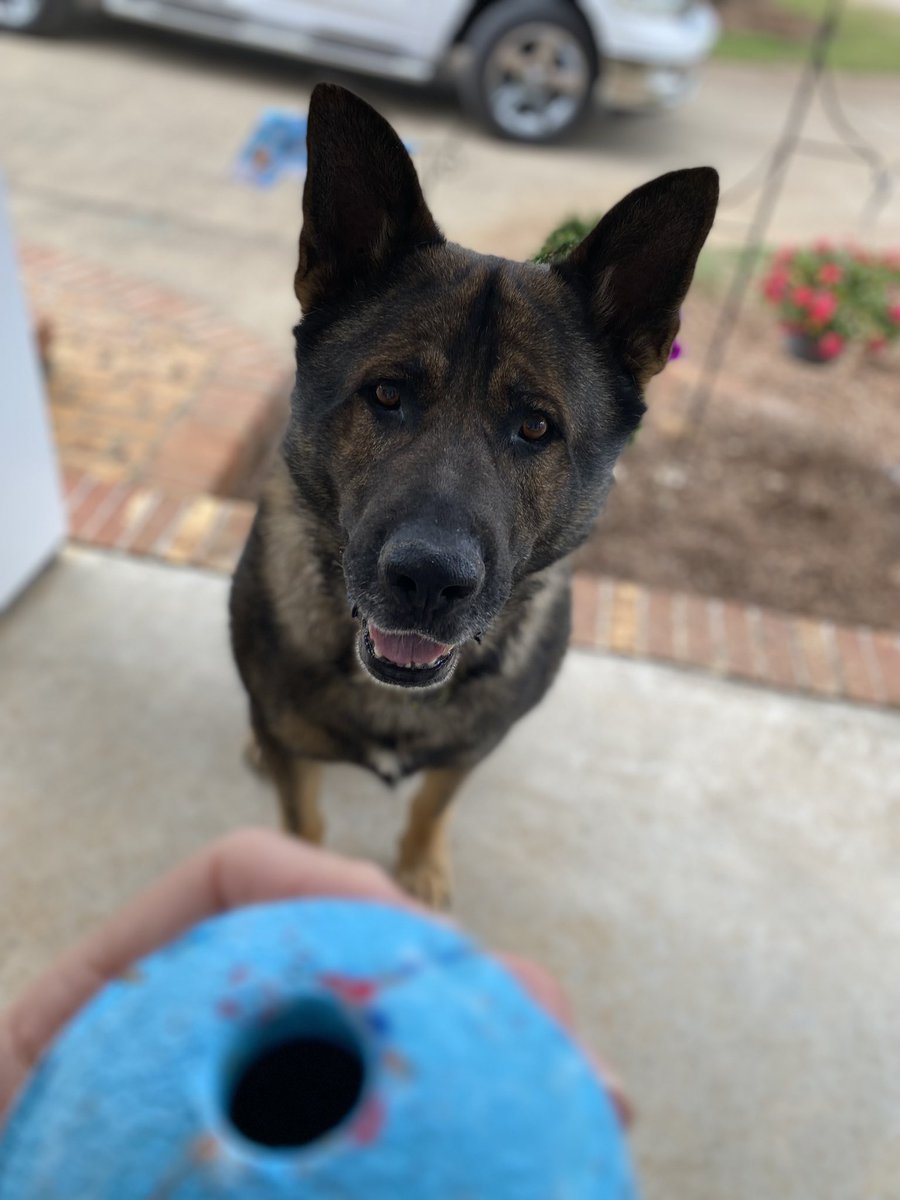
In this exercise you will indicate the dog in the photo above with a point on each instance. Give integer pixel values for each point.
(403, 597)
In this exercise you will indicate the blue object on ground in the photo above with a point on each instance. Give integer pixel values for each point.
(276, 147)
(323, 1048)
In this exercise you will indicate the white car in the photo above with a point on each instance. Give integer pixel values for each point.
(527, 68)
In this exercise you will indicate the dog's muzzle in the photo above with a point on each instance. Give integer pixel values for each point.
(405, 659)
(422, 607)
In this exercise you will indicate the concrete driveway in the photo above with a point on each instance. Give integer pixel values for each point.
(118, 145)
(711, 869)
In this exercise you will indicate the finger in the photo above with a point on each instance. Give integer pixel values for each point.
(247, 867)
(541, 986)
(545, 989)
(615, 1089)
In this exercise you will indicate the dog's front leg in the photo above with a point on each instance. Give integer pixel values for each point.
(298, 782)
(423, 866)
(298, 791)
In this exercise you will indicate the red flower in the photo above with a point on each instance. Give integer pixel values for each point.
(894, 313)
(830, 273)
(776, 286)
(830, 345)
(822, 307)
(823, 246)
(803, 296)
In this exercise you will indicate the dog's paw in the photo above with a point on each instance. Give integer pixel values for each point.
(427, 879)
(253, 757)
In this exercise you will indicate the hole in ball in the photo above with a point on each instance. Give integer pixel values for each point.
(299, 1080)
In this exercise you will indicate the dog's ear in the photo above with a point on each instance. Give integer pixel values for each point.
(362, 203)
(638, 262)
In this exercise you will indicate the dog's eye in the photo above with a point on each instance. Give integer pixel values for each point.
(388, 395)
(535, 428)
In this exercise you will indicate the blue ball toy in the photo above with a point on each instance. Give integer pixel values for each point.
(323, 1049)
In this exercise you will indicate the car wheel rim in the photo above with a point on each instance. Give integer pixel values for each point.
(17, 13)
(537, 76)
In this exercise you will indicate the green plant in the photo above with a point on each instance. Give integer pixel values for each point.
(836, 295)
(565, 237)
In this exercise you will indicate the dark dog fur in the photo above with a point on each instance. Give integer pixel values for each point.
(454, 427)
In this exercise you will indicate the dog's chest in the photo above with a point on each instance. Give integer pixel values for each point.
(396, 734)
(386, 763)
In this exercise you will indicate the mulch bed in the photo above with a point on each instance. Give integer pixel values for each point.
(787, 494)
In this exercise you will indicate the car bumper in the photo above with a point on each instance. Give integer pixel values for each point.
(682, 39)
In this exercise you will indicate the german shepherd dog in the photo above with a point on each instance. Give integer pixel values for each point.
(404, 594)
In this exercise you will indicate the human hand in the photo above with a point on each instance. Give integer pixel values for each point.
(251, 866)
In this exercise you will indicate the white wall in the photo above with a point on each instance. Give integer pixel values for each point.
(32, 518)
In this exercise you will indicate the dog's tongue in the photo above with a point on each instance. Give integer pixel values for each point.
(406, 649)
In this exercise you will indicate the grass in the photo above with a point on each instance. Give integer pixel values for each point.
(868, 39)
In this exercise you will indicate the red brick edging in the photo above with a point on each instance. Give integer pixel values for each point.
(727, 638)
(739, 641)
(200, 530)
(205, 427)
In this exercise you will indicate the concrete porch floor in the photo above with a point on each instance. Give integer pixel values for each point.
(711, 869)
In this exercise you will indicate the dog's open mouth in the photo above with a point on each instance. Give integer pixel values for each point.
(405, 659)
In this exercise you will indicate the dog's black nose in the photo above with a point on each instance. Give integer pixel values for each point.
(426, 579)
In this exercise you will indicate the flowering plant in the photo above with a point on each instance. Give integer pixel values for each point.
(829, 296)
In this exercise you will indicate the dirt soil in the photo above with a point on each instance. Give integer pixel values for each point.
(787, 493)
(765, 16)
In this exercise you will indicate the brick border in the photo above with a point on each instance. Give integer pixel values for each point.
(220, 437)
(724, 637)
(199, 530)
(738, 641)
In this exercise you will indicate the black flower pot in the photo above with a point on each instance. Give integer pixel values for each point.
(806, 348)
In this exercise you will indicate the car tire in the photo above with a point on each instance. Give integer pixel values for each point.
(47, 18)
(531, 69)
